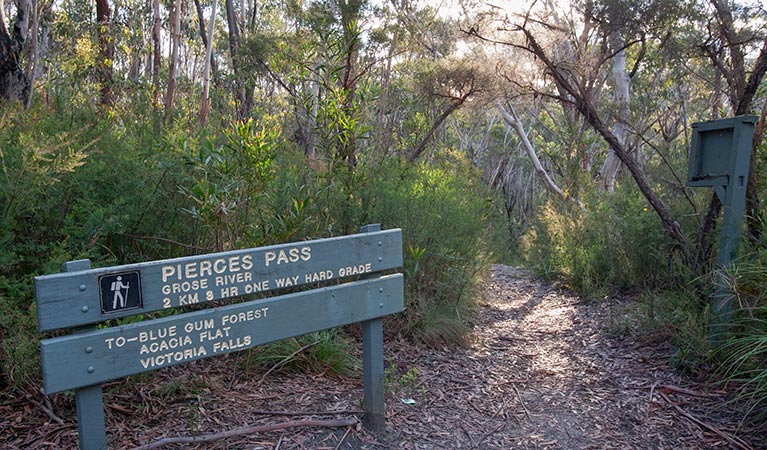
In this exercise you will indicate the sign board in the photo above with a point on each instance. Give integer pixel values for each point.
(79, 360)
(87, 297)
(720, 152)
(346, 280)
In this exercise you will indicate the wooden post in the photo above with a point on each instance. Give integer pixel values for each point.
(91, 425)
(374, 418)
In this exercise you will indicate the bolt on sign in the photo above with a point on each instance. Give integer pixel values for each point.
(340, 281)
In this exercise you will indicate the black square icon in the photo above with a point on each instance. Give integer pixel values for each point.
(120, 291)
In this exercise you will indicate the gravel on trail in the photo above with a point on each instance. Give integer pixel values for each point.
(542, 370)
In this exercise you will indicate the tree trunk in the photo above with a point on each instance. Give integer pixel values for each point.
(587, 109)
(382, 131)
(106, 52)
(510, 117)
(234, 45)
(205, 98)
(32, 54)
(13, 82)
(175, 38)
(425, 141)
(157, 62)
(609, 170)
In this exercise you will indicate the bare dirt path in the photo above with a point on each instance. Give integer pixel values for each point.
(543, 371)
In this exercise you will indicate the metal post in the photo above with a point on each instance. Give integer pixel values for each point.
(733, 198)
(374, 418)
(720, 154)
(91, 424)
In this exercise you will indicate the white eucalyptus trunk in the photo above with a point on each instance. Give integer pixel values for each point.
(174, 55)
(609, 171)
(205, 100)
(510, 117)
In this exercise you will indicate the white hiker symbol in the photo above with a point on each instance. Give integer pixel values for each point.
(117, 287)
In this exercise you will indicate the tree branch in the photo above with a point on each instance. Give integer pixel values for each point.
(671, 227)
(510, 117)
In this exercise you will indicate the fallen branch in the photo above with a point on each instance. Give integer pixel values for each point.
(246, 431)
(341, 442)
(519, 397)
(734, 441)
(689, 392)
(347, 412)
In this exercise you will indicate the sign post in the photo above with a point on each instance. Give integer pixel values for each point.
(89, 403)
(720, 155)
(372, 366)
(344, 281)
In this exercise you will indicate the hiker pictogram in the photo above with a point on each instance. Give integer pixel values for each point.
(120, 291)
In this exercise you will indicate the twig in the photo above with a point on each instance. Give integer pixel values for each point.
(341, 442)
(284, 360)
(484, 436)
(687, 391)
(305, 413)
(519, 397)
(246, 431)
(279, 442)
(734, 441)
(161, 239)
(48, 411)
(652, 394)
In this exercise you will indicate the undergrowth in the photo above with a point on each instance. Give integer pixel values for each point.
(129, 188)
(743, 356)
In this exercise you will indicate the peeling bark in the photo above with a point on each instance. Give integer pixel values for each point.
(208, 41)
(175, 38)
(157, 50)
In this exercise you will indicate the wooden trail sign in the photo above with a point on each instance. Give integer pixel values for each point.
(83, 296)
(92, 296)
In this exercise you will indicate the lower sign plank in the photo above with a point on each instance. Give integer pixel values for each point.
(75, 361)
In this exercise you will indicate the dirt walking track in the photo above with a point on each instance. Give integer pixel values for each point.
(543, 371)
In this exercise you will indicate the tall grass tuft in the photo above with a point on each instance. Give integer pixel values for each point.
(744, 355)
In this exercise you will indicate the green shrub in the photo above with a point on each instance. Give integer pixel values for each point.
(743, 356)
(322, 352)
(18, 331)
(609, 242)
(445, 215)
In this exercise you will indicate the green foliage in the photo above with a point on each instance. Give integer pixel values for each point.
(406, 383)
(18, 332)
(745, 364)
(445, 248)
(323, 352)
(228, 185)
(743, 357)
(609, 242)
